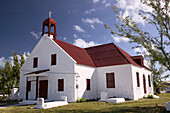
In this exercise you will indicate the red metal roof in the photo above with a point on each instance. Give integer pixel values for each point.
(106, 55)
(98, 56)
(78, 54)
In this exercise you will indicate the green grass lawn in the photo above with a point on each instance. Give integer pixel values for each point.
(139, 106)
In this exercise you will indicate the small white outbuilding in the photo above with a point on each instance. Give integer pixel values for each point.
(56, 68)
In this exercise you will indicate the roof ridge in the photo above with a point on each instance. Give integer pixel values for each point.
(69, 44)
(99, 45)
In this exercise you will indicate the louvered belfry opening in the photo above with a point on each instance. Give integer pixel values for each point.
(51, 27)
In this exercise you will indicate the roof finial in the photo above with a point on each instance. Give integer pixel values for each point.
(49, 13)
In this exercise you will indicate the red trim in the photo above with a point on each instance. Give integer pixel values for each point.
(49, 22)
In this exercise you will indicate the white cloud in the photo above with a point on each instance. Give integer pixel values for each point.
(81, 35)
(92, 21)
(141, 51)
(78, 28)
(73, 11)
(95, 1)
(107, 5)
(89, 11)
(120, 39)
(147, 63)
(36, 35)
(83, 44)
(10, 59)
(75, 36)
(121, 4)
(64, 38)
(138, 50)
(2, 62)
(104, 1)
(85, 35)
(131, 8)
(92, 26)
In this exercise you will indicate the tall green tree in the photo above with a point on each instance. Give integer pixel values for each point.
(16, 70)
(157, 44)
(7, 76)
(10, 74)
(22, 60)
(157, 73)
(2, 82)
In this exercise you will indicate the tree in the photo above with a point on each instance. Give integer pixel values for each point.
(16, 69)
(7, 76)
(157, 72)
(10, 74)
(22, 60)
(157, 44)
(2, 82)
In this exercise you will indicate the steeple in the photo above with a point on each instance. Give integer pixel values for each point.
(49, 23)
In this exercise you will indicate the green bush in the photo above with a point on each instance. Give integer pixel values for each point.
(81, 99)
(4, 98)
(155, 93)
(150, 96)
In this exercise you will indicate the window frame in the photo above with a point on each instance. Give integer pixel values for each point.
(110, 83)
(61, 82)
(88, 88)
(35, 62)
(53, 61)
(28, 85)
(138, 79)
(149, 80)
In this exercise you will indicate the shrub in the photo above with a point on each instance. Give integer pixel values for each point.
(155, 93)
(150, 96)
(156, 105)
(81, 99)
(4, 98)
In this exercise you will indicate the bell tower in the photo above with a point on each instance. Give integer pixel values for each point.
(49, 23)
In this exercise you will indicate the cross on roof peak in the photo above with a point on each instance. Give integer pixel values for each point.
(49, 13)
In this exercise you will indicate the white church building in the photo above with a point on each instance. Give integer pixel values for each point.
(56, 68)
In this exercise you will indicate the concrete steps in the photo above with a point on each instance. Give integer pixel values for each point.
(51, 104)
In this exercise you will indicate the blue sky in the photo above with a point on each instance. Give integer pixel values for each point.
(79, 22)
